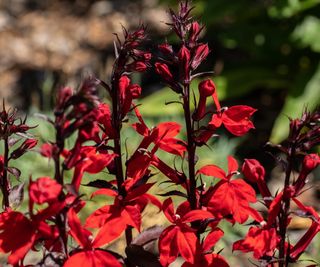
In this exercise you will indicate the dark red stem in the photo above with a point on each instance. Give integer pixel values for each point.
(5, 183)
(191, 148)
(283, 216)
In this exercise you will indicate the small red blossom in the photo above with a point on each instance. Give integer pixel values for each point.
(44, 189)
(179, 238)
(229, 197)
(89, 255)
(236, 119)
(259, 240)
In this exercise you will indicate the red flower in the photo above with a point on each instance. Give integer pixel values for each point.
(114, 219)
(203, 256)
(17, 235)
(261, 241)
(43, 190)
(229, 197)
(89, 255)
(254, 172)
(88, 160)
(236, 119)
(179, 238)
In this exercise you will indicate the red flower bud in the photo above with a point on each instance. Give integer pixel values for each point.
(195, 30)
(200, 54)
(135, 90)
(27, 144)
(184, 60)
(163, 70)
(206, 88)
(165, 48)
(253, 170)
(63, 96)
(138, 66)
(141, 54)
(310, 162)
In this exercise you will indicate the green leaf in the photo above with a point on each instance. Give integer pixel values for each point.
(294, 105)
(308, 33)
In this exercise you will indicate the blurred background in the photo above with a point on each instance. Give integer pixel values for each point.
(264, 53)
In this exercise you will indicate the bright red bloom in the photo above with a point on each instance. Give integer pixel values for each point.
(254, 172)
(229, 197)
(17, 234)
(88, 160)
(179, 238)
(261, 241)
(236, 119)
(114, 219)
(89, 255)
(44, 189)
(203, 256)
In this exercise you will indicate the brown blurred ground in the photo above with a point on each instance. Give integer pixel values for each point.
(62, 40)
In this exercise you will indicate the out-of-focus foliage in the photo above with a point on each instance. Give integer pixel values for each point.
(262, 45)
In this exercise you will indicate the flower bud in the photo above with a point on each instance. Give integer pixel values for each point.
(253, 170)
(195, 30)
(135, 90)
(207, 88)
(165, 48)
(184, 60)
(200, 54)
(163, 70)
(138, 66)
(310, 162)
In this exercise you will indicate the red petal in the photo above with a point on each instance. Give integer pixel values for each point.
(212, 238)
(236, 119)
(195, 215)
(187, 242)
(132, 216)
(214, 171)
(168, 247)
(232, 164)
(96, 258)
(80, 234)
(17, 235)
(109, 232)
(99, 217)
(104, 191)
(168, 209)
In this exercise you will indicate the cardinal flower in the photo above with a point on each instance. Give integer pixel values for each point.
(236, 119)
(89, 254)
(179, 238)
(229, 197)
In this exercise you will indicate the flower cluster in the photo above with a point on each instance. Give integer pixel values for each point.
(55, 204)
